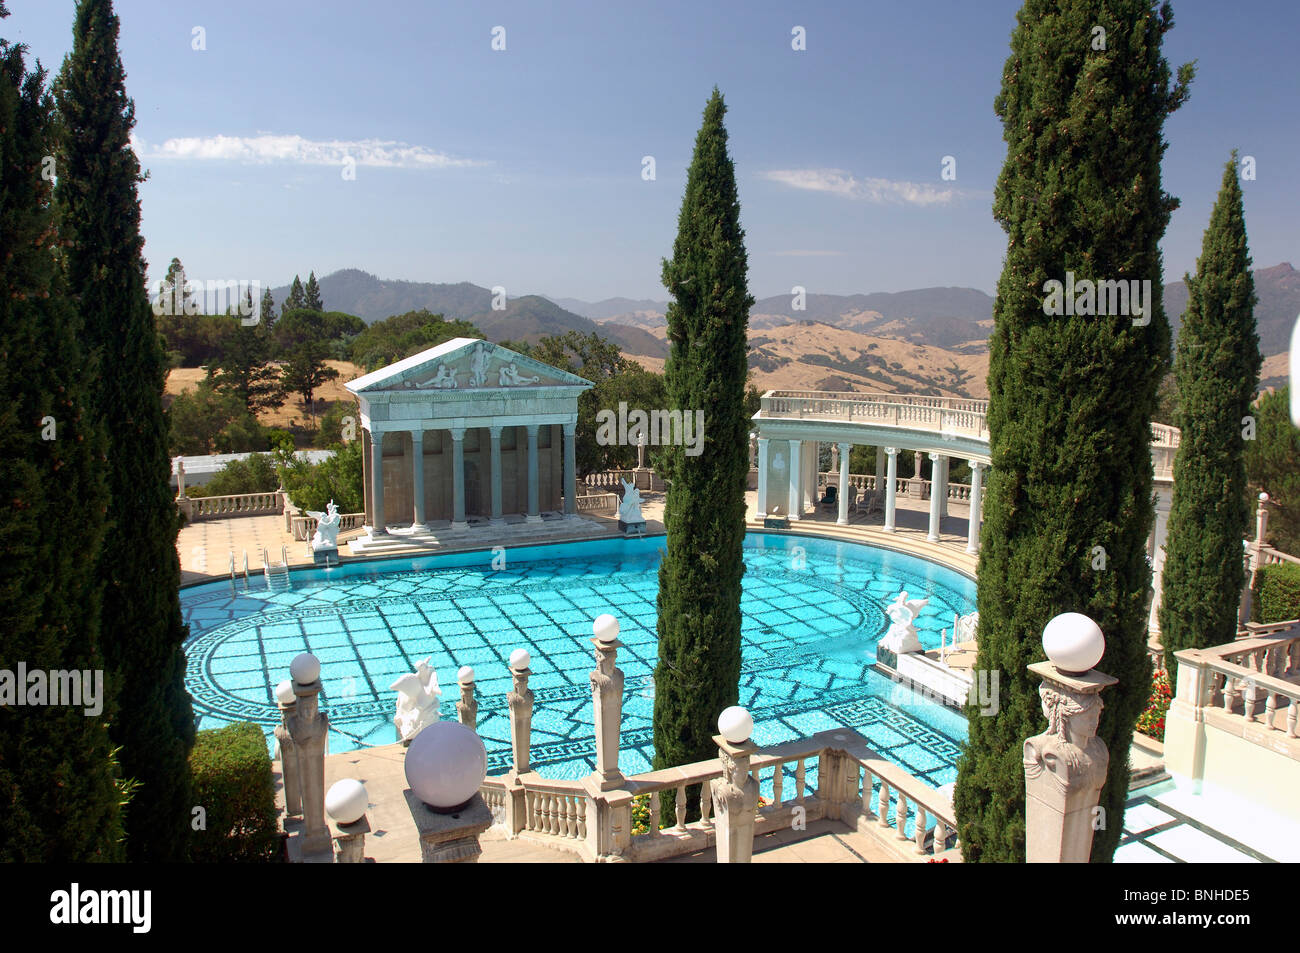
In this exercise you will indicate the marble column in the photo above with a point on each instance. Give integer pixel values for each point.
(377, 526)
(417, 481)
(762, 477)
(843, 516)
(891, 488)
(976, 506)
(812, 467)
(880, 468)
(935, 494)
(943, 467)
(458, 520)
(534, 514)
(570, 469)
(495, 435)
(796, 478)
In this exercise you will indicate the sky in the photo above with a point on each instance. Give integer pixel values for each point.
(524, 168)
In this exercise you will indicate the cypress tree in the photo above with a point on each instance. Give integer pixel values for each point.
(59, 792)
(698, 674)
(311, 294)
(268, 312)
(1069, 502)
(143, 633)
(1216, 367)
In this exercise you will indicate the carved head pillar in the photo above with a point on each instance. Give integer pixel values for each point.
(520, 701)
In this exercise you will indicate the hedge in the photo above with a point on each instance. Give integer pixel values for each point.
(234, 786)
(1277, 593)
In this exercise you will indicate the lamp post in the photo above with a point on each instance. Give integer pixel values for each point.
(607, 696)
(309, 727)
(1065, 766)
(735, 794)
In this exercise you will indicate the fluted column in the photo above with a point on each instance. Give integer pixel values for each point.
(942, 470)
(880, 466)
(570, 469)
(495, 435)
(891, 488)
(417, 481)
(796, 478)
(976, 506)
(377, 526)
(458, 478)
(933, 535)
(762, 477)
(843, 517)
(534, 514)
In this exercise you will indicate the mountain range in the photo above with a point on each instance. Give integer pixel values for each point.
(928, 339)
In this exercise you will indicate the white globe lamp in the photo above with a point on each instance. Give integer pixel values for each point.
(305, 668)
(284, 692)
(465, 675)
(735, 724)
(1073, 643)
(605, 629)
(346, 801)
(520, 659)
(445, 765)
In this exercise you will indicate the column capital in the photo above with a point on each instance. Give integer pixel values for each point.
(494, 431)
(976, 464)
(936, 457)
(570, 428)
(891, 451)
(417, 435)
(763, 440)
(532, 430)
(376, 437)
(845, 447)
(457, 433)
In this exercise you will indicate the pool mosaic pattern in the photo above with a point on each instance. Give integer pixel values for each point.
(813, 611)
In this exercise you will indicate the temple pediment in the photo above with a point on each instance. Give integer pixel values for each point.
(465, 364)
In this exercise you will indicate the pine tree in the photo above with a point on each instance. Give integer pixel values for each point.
(178, 300)
(698, 674)
(268, 312)
(1217, 368)
(143, 634)
(1069, 500)
(297, 298)
(311, 294)
(58, 781)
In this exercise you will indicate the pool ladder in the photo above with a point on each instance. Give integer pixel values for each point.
(277, 575)
(233, 573)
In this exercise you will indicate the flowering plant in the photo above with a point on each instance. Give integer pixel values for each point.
(1152, 721)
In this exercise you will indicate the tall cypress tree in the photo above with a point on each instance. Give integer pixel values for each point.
(143, 633)
(59, 796)
(1217, 368)
(698, 674)
(1069, 503)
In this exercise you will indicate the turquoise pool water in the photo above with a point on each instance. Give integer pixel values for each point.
(813, 612)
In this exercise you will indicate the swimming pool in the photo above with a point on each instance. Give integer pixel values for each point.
(813, 612)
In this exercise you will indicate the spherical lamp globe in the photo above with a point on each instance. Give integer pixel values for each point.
(305, 668)
(465, 674)
(445, 765)
(605, 628)
(520, 659)
(284, 692)
(735, 724)
(1073, 643)
(346, 801)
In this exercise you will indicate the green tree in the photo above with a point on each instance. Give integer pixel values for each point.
(402, 335)
(297, 298)
(1273, 463)
(1071, 397)
(175, 298)
(1216, 367)
(143, 634)
(311, 486)
(698, 673)
(59, 781)
(311, 295)
(245, 370)
(268, 311)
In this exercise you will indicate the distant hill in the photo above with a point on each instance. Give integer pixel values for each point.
(1278, 289)
(373, 299)
(610, 307)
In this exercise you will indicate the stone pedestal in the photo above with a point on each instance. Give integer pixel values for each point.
(449, 838)
(350, 841)
(467, 707)
(325, 557)
(632, 529)
(1065, 767)
(735, 802)
(520, 702)
(607, 697)
(309, 728)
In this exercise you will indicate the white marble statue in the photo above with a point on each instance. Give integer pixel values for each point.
(416, 708)
(478, 366)
(901, 637)
(327, 527)
(509, 377)
(629, 511)
(964, 627)
(429, 679)
(445, 379)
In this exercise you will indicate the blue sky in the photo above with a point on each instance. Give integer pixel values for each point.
(523, 167)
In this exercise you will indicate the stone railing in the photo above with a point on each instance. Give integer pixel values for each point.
(598, 503)
(219, 507)
(866, 482)
(303, 527)
(643, 479)
(1268, 556)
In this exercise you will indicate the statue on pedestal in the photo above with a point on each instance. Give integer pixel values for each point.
(327, 528)
(901, 637)
(417, 701)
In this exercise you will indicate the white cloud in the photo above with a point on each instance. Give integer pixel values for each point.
(880, 191)
(265, 148)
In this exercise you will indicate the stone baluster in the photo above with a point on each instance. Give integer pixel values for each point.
(309, 728)
(467, 707)
(520, 701)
